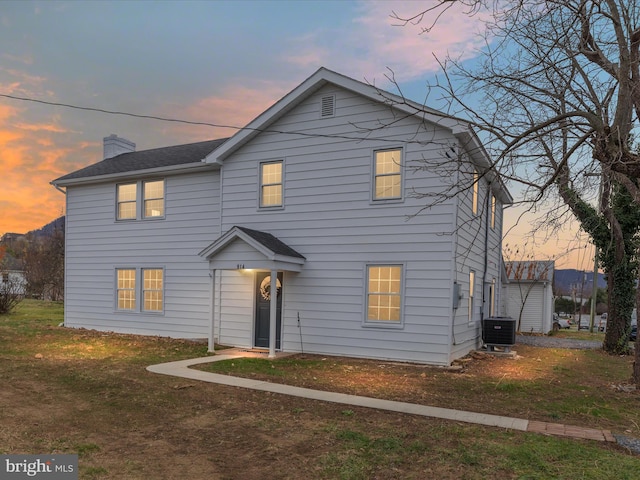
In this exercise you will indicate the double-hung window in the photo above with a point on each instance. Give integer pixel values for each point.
(475, 192)
(493, 211)
(127, 201)
(271, 184)
(387, 174)
(143, 199)
(152, 289)
(126, 289)
(384, 294)
(153, 199)
(472, 289)
(144, 283)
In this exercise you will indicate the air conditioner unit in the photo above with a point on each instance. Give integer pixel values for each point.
(499, 332)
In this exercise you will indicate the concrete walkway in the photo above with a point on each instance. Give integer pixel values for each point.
(181, 369)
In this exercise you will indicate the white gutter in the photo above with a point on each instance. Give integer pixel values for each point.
(184, 168)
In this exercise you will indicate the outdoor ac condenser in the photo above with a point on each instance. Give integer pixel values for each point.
(499, 331)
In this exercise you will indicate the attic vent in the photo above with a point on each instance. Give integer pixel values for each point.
(328, 106)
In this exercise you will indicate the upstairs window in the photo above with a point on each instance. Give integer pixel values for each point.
(143, 199)
(474, 198)
(154, 199)
(127, 201)
(387, 174)
(271, 184)
(493, 211)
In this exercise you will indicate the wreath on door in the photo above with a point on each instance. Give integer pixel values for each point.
(265, 288)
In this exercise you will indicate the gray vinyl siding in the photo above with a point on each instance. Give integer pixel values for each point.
(329, 217)
(472, 239)
(97, 244)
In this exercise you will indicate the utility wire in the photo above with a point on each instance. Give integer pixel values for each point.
(207, 124)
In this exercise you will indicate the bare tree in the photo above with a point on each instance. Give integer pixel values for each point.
(558, 83)
(44, 266)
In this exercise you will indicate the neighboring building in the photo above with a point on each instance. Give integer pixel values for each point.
(528, 295)
(315, 199)
(14, 280)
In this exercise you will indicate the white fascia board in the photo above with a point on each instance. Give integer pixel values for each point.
(175, 169)
(232, 235)
(479, 156)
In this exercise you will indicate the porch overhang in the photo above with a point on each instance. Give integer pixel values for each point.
(245, 249)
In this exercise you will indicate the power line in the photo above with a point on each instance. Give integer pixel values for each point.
(206, 124)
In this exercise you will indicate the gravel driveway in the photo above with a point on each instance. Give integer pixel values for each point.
(553, 342)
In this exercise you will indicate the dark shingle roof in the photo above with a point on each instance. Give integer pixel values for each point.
(147, 159)
(272, 243)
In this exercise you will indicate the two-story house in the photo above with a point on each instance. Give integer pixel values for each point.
(377, 221)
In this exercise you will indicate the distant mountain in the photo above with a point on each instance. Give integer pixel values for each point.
(49, 228)
(564, 281)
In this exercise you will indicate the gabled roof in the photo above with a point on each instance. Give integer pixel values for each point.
(323, 76)
(530, 271)
(143, 160)
(273, 250)
(270, 242)
(319, 79)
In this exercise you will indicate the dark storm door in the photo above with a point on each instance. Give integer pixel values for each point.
(263, 309)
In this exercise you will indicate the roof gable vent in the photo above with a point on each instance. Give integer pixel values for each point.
(327, 108)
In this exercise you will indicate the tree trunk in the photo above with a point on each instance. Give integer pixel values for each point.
(635, 378)
(621, 281)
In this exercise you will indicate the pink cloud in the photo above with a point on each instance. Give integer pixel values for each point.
(234, 106)
(375, 42)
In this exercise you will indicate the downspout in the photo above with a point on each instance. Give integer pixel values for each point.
(64, 192)
(212, 309)
(455, 287)
(273, 312)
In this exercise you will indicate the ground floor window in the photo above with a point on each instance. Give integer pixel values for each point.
(152, 289)
(126, 289)
(148, 283)
(384, 293)
(472, 289)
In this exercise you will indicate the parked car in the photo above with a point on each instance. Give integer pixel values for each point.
(559, 323)
(634, 333)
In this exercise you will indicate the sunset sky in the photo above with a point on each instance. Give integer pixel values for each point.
(213, 61)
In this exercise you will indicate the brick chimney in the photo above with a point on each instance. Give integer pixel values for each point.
(114, 146)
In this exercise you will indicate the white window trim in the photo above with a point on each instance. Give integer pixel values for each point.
(139, 290)
(260, 185)
(373, 198)
(383, 323)
(140, 217)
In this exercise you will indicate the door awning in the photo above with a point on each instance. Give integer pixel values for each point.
(243, 248)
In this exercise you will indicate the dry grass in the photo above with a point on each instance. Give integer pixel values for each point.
(85, 392)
